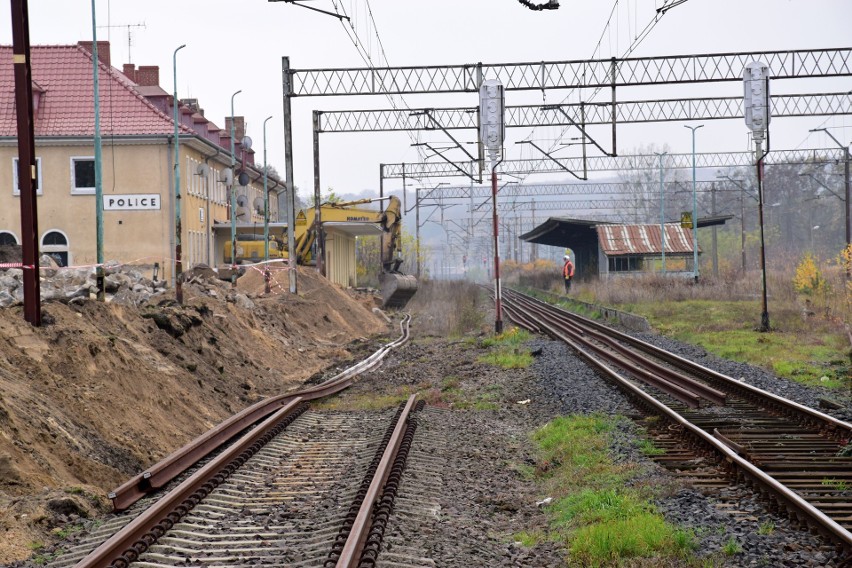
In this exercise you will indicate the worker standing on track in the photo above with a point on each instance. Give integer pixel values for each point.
(568, 272)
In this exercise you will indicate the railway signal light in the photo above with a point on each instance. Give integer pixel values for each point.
(491, 111)
(756, 97)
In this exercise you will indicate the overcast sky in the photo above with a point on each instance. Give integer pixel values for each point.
(234, 45)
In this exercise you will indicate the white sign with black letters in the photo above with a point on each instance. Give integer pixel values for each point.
(131, 202)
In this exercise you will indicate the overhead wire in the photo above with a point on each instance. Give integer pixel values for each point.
(658, 15)
(367, 58)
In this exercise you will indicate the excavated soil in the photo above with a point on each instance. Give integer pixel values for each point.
(103, 390)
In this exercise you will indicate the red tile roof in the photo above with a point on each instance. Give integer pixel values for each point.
(644, 239)
(66, 108)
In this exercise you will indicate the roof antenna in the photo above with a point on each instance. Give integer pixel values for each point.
(129, 35)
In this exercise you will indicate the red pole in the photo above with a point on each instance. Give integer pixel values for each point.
(27, 167)
(498, 322)
(764, 313)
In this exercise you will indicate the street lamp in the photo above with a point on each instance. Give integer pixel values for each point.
(417, 222)
(178, 225)
(662, 212)
(694, 208)
(233, 193)
(265, 211)
(846, 205)
(742, 216)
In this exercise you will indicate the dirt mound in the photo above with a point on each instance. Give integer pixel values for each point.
(108, 389)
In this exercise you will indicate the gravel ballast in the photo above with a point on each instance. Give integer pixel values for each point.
(484, 502)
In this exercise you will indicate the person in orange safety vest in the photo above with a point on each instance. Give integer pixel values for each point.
(568, 272)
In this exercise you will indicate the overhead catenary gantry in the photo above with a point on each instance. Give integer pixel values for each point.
(580, 75)
(617, 163)
(589, 114)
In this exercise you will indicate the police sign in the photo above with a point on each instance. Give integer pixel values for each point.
(132, 202)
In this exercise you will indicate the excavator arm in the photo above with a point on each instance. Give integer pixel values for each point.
(397, 288)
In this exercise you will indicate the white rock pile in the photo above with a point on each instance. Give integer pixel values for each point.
(122, 284)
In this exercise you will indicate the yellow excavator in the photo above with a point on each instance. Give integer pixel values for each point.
(396, 288)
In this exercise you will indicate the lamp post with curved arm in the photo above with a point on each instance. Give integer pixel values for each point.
(178, 224)
(694, 208)
(265, 213)
(233, 192)
(662, 155)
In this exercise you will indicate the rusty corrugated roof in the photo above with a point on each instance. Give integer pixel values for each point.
(618, 240)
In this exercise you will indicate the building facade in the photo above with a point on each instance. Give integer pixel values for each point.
(137, 132)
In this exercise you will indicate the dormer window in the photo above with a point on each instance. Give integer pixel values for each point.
(38, 94)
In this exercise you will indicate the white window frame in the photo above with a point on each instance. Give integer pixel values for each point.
(17, 240)
(79, 190)
(17, 192)
(56, 248)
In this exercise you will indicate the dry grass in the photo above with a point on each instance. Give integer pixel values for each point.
(449, 309)
(792, 311)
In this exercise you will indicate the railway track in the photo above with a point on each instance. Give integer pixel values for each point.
(292, 487)
(715, 429)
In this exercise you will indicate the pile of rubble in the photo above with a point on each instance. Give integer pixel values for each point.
(122, 284)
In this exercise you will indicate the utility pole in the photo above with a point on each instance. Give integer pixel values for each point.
(27, 165)
(757, 117)
(99, 202)
(417, 228)
(662, 214)
(492, 134)
(715, 244)
(178, 222)
(233, 193)
(694, 209)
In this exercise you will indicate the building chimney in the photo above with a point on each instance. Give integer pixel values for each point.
(239, 128)
(148, 76)
(129, 70)
(103, 50)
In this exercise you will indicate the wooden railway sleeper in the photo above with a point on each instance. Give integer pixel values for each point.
(384, 507)
(355, 506)
(134, 551)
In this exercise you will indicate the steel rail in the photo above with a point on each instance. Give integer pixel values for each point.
(830, 422)
(164, 471)
(713, 395)
(350, 556)
(674, 385)
(127, 544)
(786, 497)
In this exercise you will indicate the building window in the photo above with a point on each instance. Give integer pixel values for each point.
(625, 263)
(83, 175)
(7, 238)
(55, 245)
(16, 187)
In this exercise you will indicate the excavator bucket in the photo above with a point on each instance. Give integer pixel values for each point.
(397, 289)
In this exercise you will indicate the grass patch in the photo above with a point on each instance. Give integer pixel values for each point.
(731, 547)
(529, 539)
(594, 513)
(506, 350)
(766, 528)
(640, 536)
(648, 448)
(837, 484)
(728, 329)
(507, 360)
(513, 338)
(67, 531)
(370, 401)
